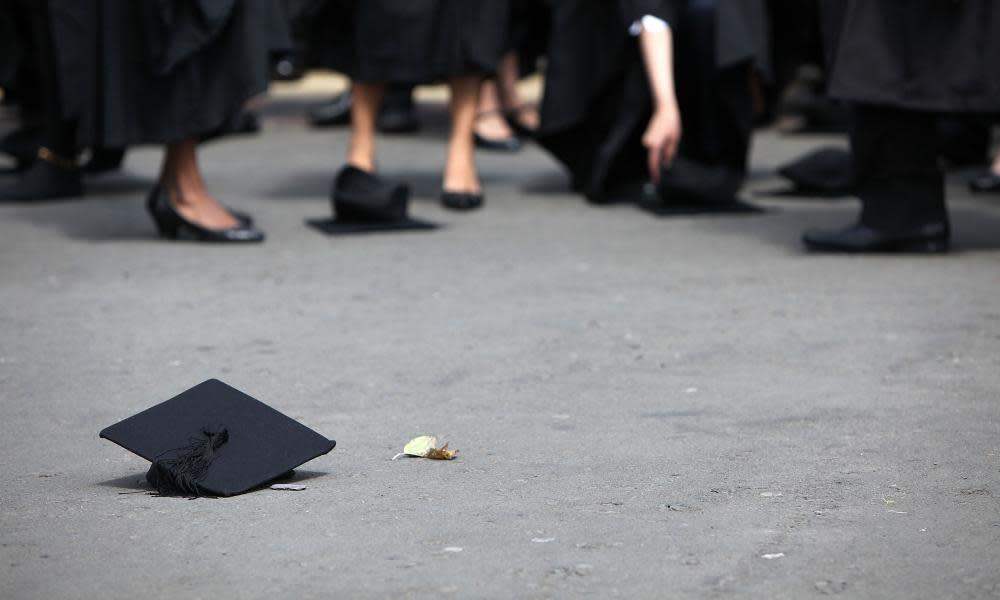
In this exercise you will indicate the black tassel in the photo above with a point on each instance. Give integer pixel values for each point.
(181, 474)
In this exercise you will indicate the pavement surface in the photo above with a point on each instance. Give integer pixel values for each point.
(645, 407)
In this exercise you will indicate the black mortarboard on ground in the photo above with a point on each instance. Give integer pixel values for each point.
(688, 187)
(366, 203)
(826, 173)
(214, 440)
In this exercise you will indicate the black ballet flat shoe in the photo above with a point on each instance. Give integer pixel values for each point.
(462, 200)
(245, 219)
(361, 196)
(335, 113)
(44, 180)
(171, 225)
(508, 144)
(932, 238)
(514, 121)
(988, 183)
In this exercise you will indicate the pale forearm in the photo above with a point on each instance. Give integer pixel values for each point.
(657, 49)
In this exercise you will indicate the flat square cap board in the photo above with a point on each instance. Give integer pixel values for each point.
(214, 440)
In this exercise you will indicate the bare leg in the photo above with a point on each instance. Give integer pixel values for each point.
(460, 168)
(490, 121)
(508, 75)
(181, 177)
(364, 114)
(995, 167)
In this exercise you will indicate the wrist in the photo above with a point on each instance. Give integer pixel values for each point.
(665, 103)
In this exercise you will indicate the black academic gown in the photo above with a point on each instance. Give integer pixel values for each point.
(10, 44)
(159, 71)
(597, 101)
(411, 42)
(927, 55)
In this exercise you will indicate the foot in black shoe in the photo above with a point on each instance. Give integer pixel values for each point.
(990, 182)
(334, 113)
(44, 180)
(461, 200)
(493, 133)
(932, 238)
(509, 144)
(171, 225)
(516, 120)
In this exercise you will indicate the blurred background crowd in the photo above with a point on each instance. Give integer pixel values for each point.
(647, 101)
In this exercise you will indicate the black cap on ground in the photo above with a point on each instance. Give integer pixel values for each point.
(214, 440)
(823, 172)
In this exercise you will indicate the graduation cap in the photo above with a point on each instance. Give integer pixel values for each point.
(366, 203)
(214, 440)
(824, 172)
(689, 187)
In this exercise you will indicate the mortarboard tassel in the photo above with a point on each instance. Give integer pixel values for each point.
(180, 475)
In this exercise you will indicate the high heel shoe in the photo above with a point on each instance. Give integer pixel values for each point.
(171, 225)
(462, 200)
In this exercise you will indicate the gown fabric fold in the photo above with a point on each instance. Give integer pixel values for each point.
(159, 71)
(411, 42)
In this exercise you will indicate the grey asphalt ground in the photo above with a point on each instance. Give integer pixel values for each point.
(645, 407)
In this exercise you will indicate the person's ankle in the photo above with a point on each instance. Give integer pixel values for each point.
(362, 162)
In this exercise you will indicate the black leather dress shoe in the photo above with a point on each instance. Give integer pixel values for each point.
(171, 225)
(461, 200)
(334, 113)
(44, 181)
(932, 238)
(990, 182)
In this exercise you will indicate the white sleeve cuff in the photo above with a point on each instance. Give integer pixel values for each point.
(648, 23)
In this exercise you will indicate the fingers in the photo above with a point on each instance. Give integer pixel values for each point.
(654, 160)
(670, 150)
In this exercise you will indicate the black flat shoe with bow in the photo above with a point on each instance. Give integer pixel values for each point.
(171, 225)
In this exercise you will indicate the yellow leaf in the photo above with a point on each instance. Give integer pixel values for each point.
(425, 446)
(420, 446)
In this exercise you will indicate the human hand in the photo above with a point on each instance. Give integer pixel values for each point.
(661, 138)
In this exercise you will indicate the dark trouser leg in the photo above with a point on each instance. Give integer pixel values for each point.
(900, 185)
(899, 181)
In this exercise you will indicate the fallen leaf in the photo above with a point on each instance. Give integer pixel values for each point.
(425, 446)
(442, 453)
(420, 446)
